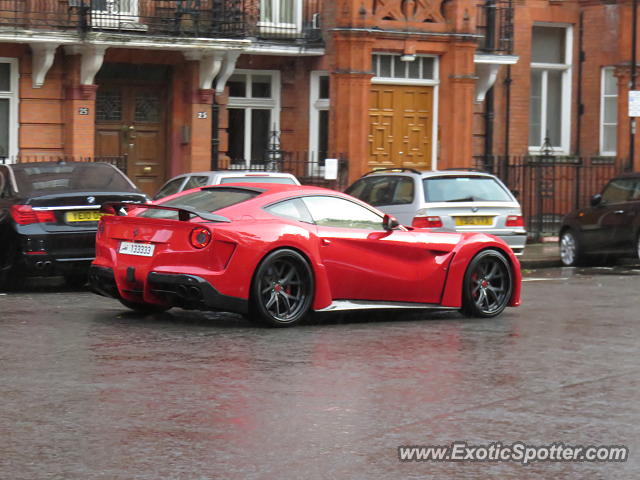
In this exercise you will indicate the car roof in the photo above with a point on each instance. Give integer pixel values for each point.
(430, 173)
(231, 173)
(23, 165)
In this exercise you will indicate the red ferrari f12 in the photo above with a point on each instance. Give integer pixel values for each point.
(278, 252)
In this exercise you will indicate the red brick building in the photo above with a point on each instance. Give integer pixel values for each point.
(186, 85)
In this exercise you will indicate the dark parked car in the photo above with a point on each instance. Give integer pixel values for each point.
(49, 214)
(609, 228)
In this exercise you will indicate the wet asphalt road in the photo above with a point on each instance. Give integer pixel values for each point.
(92, 392)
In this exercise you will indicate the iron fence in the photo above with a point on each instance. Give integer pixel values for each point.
(264, 21)
(306, 167)
(548, 187)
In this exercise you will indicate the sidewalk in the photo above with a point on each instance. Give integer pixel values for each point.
(541, 255)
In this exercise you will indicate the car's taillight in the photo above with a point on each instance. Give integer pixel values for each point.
(25, 215)
(200, 237)
(514, 221)
(426, 222)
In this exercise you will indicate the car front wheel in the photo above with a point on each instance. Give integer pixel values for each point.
(282, 289)
(487, 285)
(570, 253)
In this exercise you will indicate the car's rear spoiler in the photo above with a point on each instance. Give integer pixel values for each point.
(184, 213)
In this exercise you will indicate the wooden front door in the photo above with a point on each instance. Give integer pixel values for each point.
(400, 126)
(130, 121)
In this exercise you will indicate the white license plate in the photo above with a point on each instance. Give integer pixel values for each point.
(139, 249)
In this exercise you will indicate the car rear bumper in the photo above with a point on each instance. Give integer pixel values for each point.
(516, 241)
(56, 253)
(176, 290)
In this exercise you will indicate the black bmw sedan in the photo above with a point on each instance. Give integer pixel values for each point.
(610, 228)
(49, 214)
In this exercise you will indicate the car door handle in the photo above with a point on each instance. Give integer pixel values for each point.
(618, 212)
(325, 242)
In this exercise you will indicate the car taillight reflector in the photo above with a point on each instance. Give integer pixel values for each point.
(514, 221)
(25, 215)
(426, 222)
(200, 237)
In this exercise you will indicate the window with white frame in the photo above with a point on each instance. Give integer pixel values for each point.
(398, 67)
(254, 111)
(550, 94)
(319, 120)
(608, 112)
(280, 15)
(8, 107)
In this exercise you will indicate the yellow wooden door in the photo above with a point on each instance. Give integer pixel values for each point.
(400, 126)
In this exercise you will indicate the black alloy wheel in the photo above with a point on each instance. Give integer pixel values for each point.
(282, 289)
(487, 285)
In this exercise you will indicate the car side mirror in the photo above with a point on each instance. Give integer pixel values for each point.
(389, 222)
(515, 193)
(596, 200)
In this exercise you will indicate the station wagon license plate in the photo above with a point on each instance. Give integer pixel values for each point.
(474, 220)
(138, 249)
(83, 216)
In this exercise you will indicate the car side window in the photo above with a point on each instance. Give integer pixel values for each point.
(404, 191)
(170, 188)
(328, 211)
(618, 190)
(196, 181)
(294, 209)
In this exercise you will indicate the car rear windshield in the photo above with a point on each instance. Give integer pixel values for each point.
(257, 179)
(88, 177)
(205, 200)
(464, 189)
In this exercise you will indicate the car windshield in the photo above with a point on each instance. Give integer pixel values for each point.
(205, 200)
(63, 177)
(257, 179)
(464, 189)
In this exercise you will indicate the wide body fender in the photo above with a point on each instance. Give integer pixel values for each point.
(463, 253)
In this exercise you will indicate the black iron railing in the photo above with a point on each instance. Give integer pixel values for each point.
(495, 24)
(309, 169)
(548, 186)
(262, 20)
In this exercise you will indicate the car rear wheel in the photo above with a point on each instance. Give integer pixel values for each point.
(570, 250)
(282, 289)
(487, 285)
(12, 277)
(144, 308)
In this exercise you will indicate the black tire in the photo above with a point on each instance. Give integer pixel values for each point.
(143, 308)
(571, 253)
(12, 276)
(282, 289)
(487, 285)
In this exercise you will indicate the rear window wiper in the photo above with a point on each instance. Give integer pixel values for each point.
(463, 199)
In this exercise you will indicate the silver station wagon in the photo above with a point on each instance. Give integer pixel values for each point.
(201, 179)
(449, 200)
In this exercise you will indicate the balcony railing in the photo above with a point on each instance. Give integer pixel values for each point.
(266, 20)
(495, 24)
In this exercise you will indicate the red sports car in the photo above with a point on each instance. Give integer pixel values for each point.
(277, 252)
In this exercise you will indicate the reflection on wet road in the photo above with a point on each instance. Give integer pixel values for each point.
(92, 392)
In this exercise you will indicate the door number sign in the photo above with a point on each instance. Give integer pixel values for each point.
(203, 115)
(83, 111)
